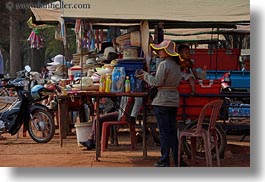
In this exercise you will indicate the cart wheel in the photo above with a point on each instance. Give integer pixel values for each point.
(154, 134)
(3, 93)
(200, 153)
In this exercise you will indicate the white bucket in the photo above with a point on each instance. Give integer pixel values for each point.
(83, 132)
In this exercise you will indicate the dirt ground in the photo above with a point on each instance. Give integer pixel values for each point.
(24, 152)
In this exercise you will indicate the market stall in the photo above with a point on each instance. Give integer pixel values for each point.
(93, 16)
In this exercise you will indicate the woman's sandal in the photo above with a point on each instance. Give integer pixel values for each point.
(2, 137)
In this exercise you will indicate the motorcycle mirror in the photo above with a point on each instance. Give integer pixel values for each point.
(27, 68)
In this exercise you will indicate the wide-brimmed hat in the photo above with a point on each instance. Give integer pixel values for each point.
(106, 54)
(131, 53)
(168, 46)
(56, 78)
(59, 59)
(61, 70)
(91, 61)
(86, 82)
(52, 68)
(135, 38)
(145, 40)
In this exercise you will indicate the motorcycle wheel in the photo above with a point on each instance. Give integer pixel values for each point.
(3, 92)
(41, 126)
(200, 152)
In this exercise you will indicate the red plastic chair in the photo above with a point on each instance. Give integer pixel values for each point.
(214, 108)
(123, 121)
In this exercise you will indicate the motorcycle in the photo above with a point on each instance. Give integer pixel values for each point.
(26, 110)
(226, 82)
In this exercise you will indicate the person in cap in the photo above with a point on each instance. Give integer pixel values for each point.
(44, 72)
(166, 101)
(187, 67)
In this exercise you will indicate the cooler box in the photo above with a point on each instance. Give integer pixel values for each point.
(216, 59)
(190, 106)
(131, 65)
(201, 87)
(75, 70)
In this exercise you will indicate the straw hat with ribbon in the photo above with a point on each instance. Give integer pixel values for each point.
(168, 46)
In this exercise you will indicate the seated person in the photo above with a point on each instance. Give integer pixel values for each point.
(113, 116)
(187, 66)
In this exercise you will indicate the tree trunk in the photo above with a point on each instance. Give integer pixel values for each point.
(15, 57)
(35, 60)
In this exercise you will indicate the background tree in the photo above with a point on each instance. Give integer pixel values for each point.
(14, 32)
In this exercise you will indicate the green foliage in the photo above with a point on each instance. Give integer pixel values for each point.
(71, 41)
(53, 46)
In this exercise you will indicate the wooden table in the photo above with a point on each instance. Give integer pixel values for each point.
(62, 109)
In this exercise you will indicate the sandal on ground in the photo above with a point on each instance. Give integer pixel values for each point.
(2, 137)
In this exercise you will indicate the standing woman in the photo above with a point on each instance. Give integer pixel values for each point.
(166, 102)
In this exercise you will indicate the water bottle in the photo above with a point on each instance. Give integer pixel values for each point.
(115, 77)
(108, 84)
(132, 83)
(127, 84)
(102, 83)
(118, 79)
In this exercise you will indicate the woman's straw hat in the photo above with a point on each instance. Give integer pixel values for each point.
(168, 46)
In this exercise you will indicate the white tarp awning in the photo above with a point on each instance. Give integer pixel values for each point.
(46, 15)
(49, 14)
(204, 33)
(158, 10)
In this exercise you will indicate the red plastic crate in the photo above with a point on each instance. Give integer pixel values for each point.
(221, 59)
(193, 107)
(201, 87)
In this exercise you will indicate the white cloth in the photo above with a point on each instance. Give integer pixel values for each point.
(136, 106)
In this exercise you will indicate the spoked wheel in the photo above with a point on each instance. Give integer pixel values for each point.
(41, 127)
(3, 93)
(155, 135)
(150, 132)
(200, 151)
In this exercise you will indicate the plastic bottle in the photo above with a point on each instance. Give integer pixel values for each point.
(138, 85)
(118, 79)
(127, 84)
(108, 84)
(132, 83)
(204, 70)
(63, 91)
(102, 83)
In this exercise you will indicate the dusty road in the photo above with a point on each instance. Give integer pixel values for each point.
(24, 152)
